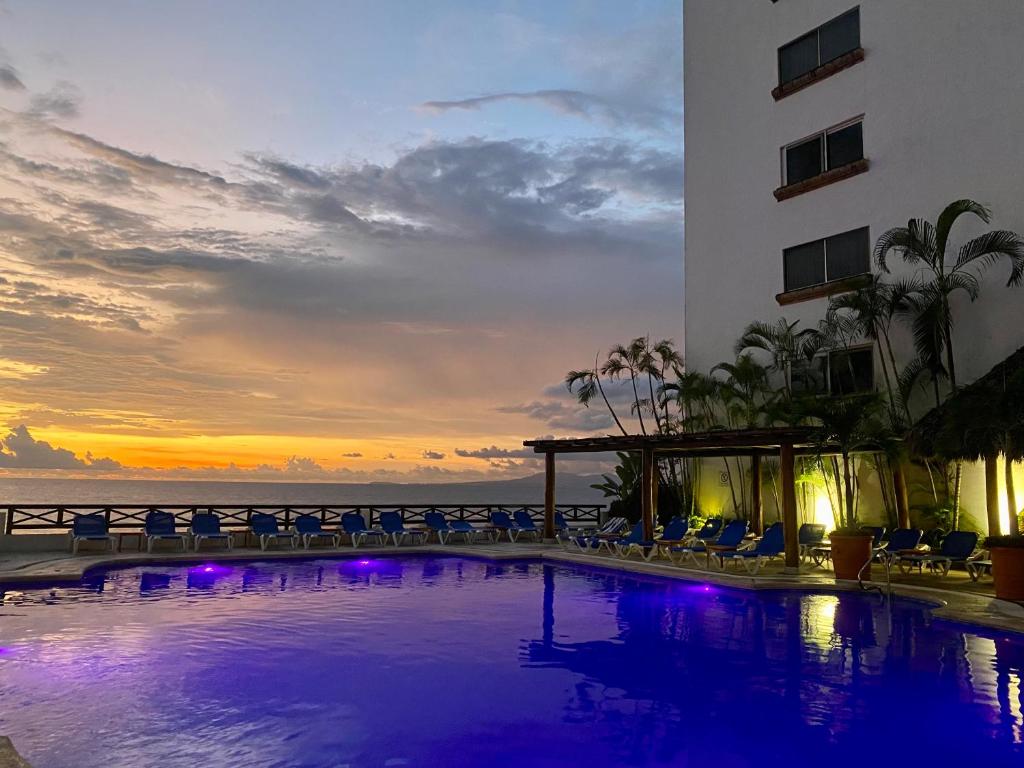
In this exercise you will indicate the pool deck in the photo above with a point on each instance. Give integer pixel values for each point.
(955, 596)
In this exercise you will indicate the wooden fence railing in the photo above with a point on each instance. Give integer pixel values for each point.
(49, 517)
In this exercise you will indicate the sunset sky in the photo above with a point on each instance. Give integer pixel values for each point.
(327, 240)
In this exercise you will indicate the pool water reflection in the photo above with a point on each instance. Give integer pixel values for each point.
(459, 662)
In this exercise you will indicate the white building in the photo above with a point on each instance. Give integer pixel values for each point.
(812, 126)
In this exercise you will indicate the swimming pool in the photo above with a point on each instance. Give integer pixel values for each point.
(425, 661)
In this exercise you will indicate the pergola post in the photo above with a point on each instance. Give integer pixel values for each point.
(787, 466)
(992, 495)
(549, 495)
(647, 493)
(756, 510)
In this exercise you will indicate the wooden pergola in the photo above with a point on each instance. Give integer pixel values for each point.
(782, 442)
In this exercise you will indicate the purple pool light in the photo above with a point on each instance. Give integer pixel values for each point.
(209, 569)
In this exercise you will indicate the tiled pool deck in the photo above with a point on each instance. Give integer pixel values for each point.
(956, 597)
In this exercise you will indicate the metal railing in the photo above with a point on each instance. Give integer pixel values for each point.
(49, 517)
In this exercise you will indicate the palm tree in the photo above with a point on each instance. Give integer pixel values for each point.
(631, 360)
(924, 245)
(589, 386)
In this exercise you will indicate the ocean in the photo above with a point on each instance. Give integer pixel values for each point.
(570, 489)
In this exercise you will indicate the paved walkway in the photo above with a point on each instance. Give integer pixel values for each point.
(956, 597)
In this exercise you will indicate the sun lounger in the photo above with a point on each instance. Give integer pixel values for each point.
(354, 526)
(587, 541)
(205, 526)
(731, 538)
(391, 522)
(503, 523)
(526, 525)
(310, 528)
(957, 547)
(159, 526)
(900, 540)
(91, 527)
(469, 531)
(634, 541)
(266, 530)
(436, 523)
(673, 535)
(771, 545)
(979, 565)
(810, 535)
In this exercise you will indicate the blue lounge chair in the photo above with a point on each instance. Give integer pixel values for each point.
(708, 532)
(731, 536)
(672, 535)
(502, 523)
(436, 523)
(877, 534)
(900, 540)
(92, 527)
(526, 525)
(391, 522)
(310, 528)
(809, 536)
(634, 541)
(206, 527)
(957, 547)
(469, 531)
(160, 527)
(979, 565)
(590, 540)
(354, 526)
(771, 545)
(266, 530)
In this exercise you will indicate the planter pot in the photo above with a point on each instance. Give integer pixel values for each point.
(849, 553)
(1008, 572)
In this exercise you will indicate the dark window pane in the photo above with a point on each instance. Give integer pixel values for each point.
(798, 58)
(840, 36)
(851, 371)
(803, 161)
(804, 265)
(845, 145)
(848, 254)
(809, 377)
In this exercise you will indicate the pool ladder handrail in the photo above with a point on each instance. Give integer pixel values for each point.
(885, 593)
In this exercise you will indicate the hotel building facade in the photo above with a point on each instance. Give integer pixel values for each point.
(811, 127)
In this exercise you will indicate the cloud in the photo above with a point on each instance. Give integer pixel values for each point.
(433, 455)
(352, 455)
(494, 452)
(576, 103)
(563, 416)
(63, 100)
(9, 79)
(19, 450)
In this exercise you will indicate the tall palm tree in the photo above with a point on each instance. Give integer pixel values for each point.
(587, 385)
(924, 245)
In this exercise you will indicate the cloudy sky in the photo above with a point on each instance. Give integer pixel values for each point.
(347, 239)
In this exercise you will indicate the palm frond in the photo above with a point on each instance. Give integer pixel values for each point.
(952, 212)
(991, 248)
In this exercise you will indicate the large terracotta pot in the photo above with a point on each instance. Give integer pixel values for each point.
(849, 553)
(1008, 572)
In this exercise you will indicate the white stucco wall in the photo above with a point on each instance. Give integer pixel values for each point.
(941, 89)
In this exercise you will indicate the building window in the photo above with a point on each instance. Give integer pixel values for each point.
(832, 148)
(837, 372)
(851, 371)
(819, 46)
(824, 261)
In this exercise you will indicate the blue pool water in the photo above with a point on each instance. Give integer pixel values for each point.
(459, 662)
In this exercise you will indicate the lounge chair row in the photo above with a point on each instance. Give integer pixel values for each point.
(307, 529)
(715, 543)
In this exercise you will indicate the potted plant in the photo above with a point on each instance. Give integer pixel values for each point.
(846, 425)
(1007, 566)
